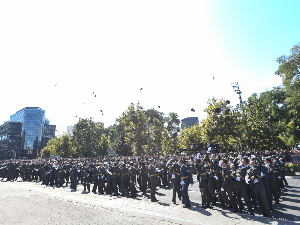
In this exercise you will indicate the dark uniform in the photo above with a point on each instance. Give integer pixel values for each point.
(144, 178)
(115, 172)
(176, 176)
(186, 179)
(60, 176)
(213, 183)
(124, 180)
(74, 177)
(109, 180)
(202, 171)
(254, 178)
(66, 168)
(228, 187)
(101, 179)
(95, 178)
(241, 189)
(153, 180)
(272, 182)
(132, 180)
(85, 177)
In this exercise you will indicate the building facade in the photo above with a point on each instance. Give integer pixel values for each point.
(32, 119)
(189, 121)
(27, 132)
(10, 139)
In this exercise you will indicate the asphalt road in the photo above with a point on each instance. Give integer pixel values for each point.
(33, 203)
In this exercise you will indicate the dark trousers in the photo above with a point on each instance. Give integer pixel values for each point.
(95, 181)
(86, 183)
(115, 186)
(241, 190)
(109, 187)
(144, 183)
(232, 200)
(153, 189)
(185, 196)
(267, 189)
(101, 185)
(278, 187)
(273, 190)
(205, 194)
(176, 189)
(74, 182)
(261, 197)
(124, 185)
(251, 195)
(132, 189)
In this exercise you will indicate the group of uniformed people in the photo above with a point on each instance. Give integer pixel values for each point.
(254, 178)
(227, 179)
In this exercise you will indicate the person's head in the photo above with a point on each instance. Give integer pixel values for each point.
(224, 162)
(232, 167)
(181, 162)
(213, 156)
(268, 161)
(253, 163)
(244, 162)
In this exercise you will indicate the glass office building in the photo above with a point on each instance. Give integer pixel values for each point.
(32, 119)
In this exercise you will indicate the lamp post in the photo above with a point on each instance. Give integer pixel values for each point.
(236, 88)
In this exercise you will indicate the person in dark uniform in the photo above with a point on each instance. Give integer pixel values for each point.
(227, 187)
(74, 177)
(109, 180)
(153, 180)
(186, 179)
(213, 178)
(67, 168)
(115, 172)
(202, 172)
(144, 178)
(124, 179)
(254, 179)
(60, 175)
(132, 180)
(283, 173)
(264, 179)
(95, 178)
(240, 185)
(175, 171)
(85, 177)
(101, 180)
(277, 174)
(10, 174)
(28, 172)
(271, 179)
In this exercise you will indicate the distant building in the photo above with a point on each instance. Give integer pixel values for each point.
(100, 123)
(10, 139)
(189, 121)
(69, 130)
(28, 129)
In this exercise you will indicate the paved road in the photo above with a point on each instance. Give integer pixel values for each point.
(33, 203)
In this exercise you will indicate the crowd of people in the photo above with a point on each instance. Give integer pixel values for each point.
(257, 177)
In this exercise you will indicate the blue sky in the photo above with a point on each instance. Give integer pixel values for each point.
(54, 55)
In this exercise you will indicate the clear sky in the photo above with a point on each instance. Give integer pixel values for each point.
(55, 54)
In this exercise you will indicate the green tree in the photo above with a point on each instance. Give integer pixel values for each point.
(103, 145)
(86, 134)
(221, 123)
(191, 135)
(289, 71)
(135, 127)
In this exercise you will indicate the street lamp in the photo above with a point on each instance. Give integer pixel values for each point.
(236, 88)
